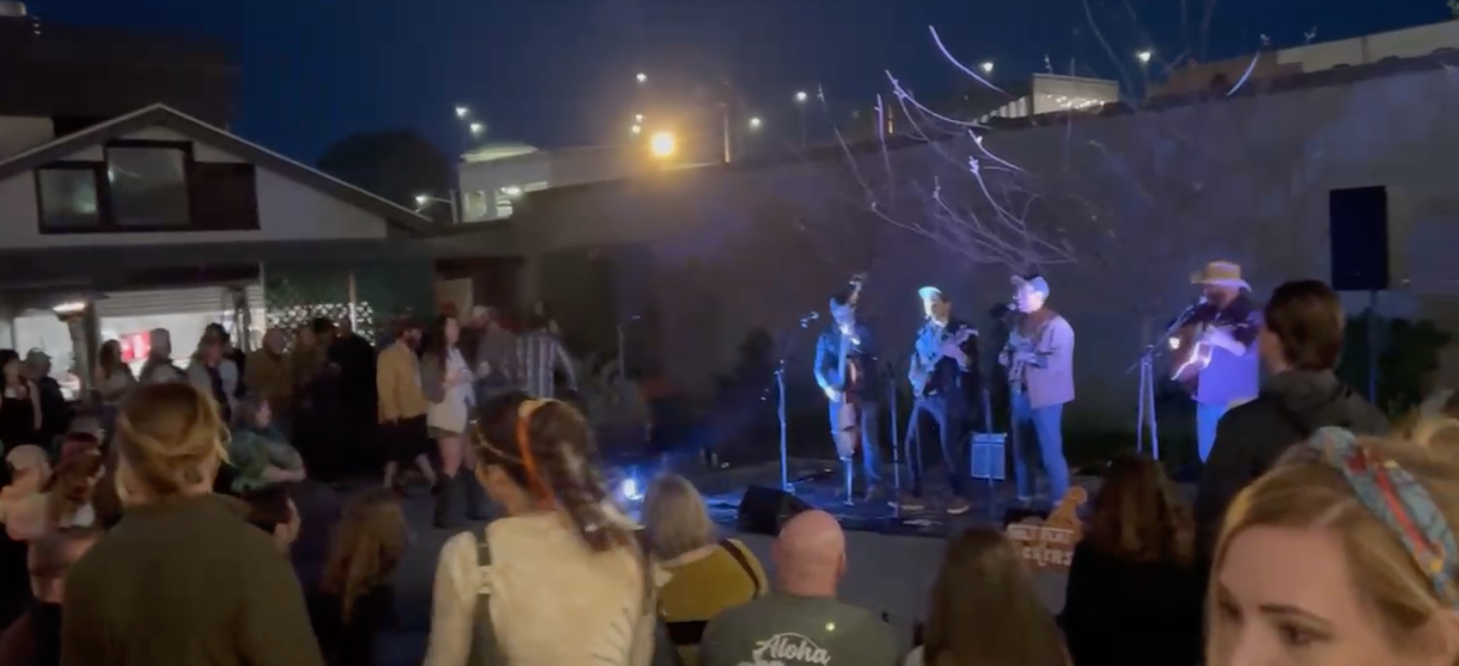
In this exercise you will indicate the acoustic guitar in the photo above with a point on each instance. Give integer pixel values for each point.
(1191, 351)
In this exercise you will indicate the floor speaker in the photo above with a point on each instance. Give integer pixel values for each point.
(764, 510)
(1358, 231)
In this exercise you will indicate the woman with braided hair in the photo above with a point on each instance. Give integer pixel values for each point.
(1344, 554)
(560, 580)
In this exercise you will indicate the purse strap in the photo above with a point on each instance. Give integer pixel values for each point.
(485, 650)
(738, 552)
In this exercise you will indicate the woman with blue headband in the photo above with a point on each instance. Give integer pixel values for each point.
(1343, 555)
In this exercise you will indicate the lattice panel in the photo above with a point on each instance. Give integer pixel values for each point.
(296, 295)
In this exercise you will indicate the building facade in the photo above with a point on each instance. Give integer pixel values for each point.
(494, 178)
(156, 219)
(710, 256)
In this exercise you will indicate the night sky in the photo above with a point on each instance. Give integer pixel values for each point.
(561, 72)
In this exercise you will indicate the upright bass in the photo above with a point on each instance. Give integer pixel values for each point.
(848, 408)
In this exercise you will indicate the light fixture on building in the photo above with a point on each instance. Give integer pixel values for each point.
(800, 97)
(461, 111)
(421, 199)
(638, 117)
(637, 129)
(1144, 57)
(69, 309)
(987, 66)
(642, 77)
(512, 191)
(755, 123)
(477, 129)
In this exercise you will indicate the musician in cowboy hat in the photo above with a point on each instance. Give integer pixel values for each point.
(1228, 322)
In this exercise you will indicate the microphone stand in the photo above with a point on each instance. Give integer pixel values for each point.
(1145, 413)
(780, 412)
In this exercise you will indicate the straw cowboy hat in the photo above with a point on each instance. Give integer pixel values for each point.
(1222, 274)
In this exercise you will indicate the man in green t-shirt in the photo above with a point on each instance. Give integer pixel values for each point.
(801, 622)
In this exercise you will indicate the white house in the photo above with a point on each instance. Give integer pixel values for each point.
(156, 219)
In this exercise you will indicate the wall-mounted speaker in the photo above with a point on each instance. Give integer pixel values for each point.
(1359, 238)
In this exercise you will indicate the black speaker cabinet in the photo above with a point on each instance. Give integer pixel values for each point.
(1358, 230)
(763, 510)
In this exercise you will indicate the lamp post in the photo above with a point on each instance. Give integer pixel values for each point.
(424, 200)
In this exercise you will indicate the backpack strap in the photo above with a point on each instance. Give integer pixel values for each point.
(736, 551)
(485, 650)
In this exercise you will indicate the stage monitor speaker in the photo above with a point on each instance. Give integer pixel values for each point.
(764, 510)
(1358, 234)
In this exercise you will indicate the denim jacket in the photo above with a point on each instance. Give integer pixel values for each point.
(864, 352)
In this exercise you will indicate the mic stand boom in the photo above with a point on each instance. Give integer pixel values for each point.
(1145, 413)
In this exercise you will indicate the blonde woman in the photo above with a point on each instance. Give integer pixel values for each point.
(1343, 555)
(706, 575)
(183, 579)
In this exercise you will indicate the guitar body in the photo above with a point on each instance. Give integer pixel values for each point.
(929, 365)
(1191, 355)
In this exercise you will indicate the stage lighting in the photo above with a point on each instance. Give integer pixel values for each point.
(629, 489)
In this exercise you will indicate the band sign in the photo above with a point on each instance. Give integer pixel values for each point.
(1049, 544)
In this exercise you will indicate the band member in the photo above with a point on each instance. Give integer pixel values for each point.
(1039, 357)
(850, 383)
(1228, 323)
(944, 376)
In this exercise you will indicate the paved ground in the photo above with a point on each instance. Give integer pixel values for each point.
(892, 557)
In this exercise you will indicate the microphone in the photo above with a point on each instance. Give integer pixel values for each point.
(806, 320)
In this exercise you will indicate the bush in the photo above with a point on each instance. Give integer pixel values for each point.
(1408, 355)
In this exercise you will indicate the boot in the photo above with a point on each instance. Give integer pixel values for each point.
(475, 506)
(445, 496)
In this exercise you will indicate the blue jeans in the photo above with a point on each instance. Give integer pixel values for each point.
(1208, 414)
(870, 460)
(1039, 430)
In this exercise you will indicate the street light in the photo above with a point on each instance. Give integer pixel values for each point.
(423, 200)
(642, 77)
(477, 129)
(662, 144)
(987, 66)
(800, 97)
(461, 111)
(1144, 57)
(637, 129)
(755, 123)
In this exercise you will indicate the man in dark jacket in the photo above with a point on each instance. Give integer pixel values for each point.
(1299, 344)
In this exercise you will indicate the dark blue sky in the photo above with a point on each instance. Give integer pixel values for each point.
(560, 72)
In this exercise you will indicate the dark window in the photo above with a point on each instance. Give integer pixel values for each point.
(148, 184)
(70, 196)
(224, 196)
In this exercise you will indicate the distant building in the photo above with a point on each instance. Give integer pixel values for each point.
(1310, 58)
(493, 177)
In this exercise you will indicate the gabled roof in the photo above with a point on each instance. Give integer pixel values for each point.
(161, 115)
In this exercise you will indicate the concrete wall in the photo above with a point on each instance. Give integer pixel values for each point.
(1141, 200)
(288, 210)
(21, 133)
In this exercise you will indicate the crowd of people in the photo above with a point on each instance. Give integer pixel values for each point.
(156, 528)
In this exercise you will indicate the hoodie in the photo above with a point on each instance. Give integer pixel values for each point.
(1250, 438)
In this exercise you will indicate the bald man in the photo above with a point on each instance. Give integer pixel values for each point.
(800, 621)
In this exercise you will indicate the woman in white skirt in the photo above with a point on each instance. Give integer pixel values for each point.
(447, 381)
